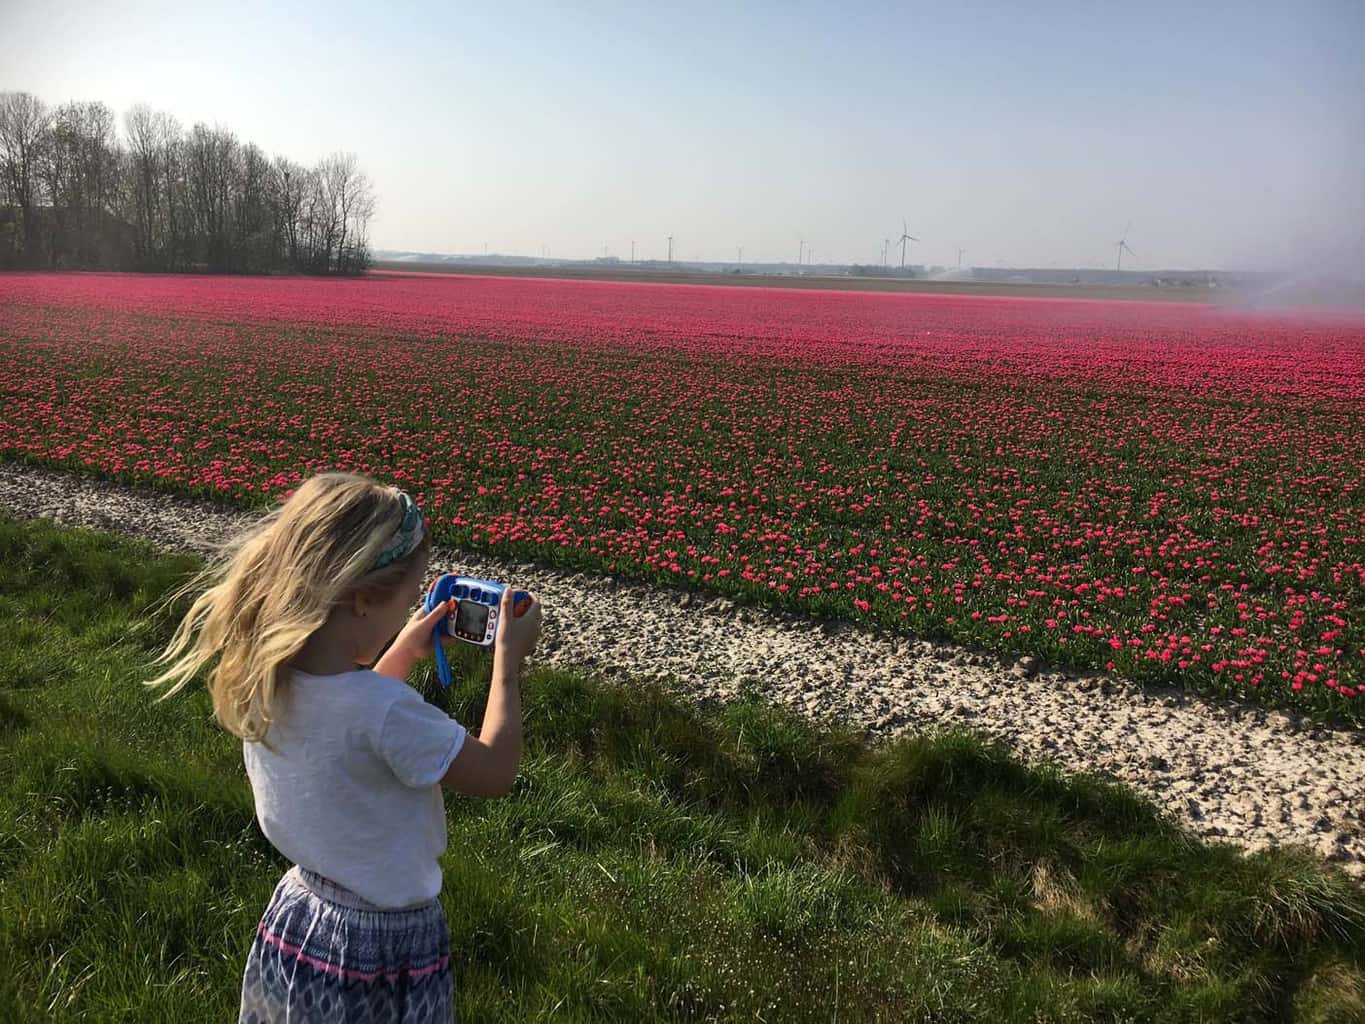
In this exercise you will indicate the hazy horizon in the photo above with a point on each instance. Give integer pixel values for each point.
(1229, 139)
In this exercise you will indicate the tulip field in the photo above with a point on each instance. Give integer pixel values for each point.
(1171, 492)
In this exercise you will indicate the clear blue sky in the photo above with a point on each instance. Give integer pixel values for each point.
(1229, 134)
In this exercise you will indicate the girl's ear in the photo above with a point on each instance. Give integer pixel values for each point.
(360, 602)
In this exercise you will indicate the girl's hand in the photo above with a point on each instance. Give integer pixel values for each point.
(419, 634)
(517, 634)
(415, 642)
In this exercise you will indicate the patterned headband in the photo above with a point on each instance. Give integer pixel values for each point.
(409, 534)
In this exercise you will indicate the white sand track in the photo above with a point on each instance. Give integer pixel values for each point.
(1227, 770)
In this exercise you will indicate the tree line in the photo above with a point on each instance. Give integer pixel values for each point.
(74, 194)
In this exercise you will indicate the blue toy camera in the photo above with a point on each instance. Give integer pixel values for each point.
(475, 619)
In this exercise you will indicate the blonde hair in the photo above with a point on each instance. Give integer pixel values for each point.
(274, 584)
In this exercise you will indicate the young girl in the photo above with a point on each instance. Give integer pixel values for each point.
(346, 762)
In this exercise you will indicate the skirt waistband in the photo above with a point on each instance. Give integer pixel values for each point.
(334, 893)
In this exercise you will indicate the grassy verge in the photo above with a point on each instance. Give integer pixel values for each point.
(654, 862)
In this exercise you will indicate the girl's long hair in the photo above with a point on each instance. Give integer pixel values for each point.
(273, 584)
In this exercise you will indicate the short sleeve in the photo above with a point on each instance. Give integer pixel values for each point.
(418, 741)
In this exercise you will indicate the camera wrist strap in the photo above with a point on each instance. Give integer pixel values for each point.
(442, 662)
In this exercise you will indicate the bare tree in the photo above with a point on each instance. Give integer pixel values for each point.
(80, 170)
(24, 125)
(254, 238)
(151, 185)
(348, 192)
(289, 185)
(181, 243)
(213, 156)
(72, 194)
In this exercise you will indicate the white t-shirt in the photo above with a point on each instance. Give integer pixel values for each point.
(353, 791)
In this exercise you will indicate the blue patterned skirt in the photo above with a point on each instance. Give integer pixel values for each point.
(321, 953)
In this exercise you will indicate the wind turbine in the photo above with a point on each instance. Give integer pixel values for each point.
(905, 237)
(1123, 244)
(886, 248)
(800, 250)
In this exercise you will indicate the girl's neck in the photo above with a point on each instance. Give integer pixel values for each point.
(317, 661)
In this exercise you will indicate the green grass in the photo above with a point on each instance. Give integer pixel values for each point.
(653, 862)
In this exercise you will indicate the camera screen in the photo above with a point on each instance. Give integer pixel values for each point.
(471, 619)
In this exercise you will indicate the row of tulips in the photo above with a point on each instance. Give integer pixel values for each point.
(1171, 492)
